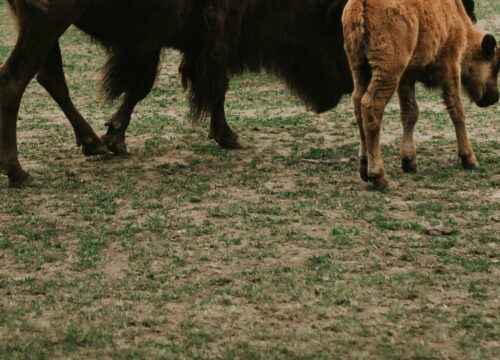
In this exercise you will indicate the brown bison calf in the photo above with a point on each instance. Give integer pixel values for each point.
(391, 44)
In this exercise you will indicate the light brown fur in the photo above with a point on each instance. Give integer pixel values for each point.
(391, 44)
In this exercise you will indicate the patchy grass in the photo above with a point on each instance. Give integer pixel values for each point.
(185, 250)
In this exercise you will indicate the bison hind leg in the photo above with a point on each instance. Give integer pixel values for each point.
(26, 59)
(221, 132)
(134, 75)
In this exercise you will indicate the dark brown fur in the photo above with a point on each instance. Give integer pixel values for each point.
(299, 41)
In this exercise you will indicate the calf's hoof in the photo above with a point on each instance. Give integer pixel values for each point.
(363, 169)
(409, 164)
(379, 182)
(95, 147)
(114, 144)
(469, 164)
(21, 181)
(378, 179)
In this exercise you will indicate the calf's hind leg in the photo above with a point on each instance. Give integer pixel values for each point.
(409, 116)
(382, 86)
(51, 77)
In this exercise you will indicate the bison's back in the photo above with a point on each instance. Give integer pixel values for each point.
(132, 24)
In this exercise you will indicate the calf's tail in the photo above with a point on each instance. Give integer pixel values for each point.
(353, 22)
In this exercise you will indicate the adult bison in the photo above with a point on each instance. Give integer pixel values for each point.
(300, 41)
(391, 45)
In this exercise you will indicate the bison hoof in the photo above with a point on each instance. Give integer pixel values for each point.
(230, 142)
(409, 165)
(96, 147)
(363, 169)
(468, 164)
(114, 144)
(22, 181)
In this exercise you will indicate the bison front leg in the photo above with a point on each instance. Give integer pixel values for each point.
(33, 46)
(51, 77)
(409, 116)
(220, 131)
(12, 86)
(451, 96)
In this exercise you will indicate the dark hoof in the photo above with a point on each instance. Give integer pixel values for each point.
(466, 165)
(230, 142)
(363, 169)
(408, 165)
(22, 181)
(379, 182)
(97, 147)
(114, 145)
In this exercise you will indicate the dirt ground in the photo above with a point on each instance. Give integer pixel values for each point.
(279, 251)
